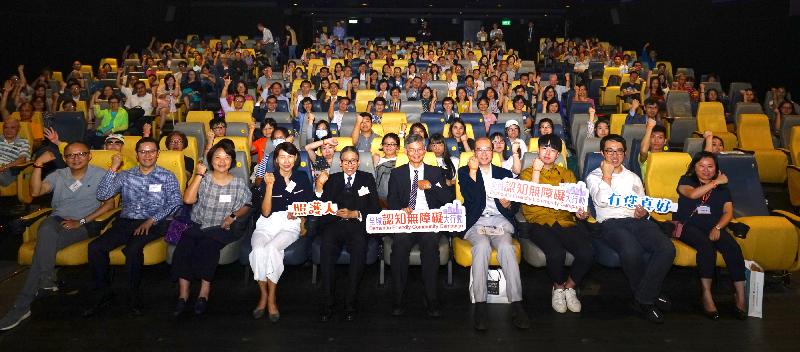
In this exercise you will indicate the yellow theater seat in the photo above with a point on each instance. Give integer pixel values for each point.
(462, 251)
(711, 117)
(173, 162)
(239, 116)
(617, 121)
(129, 148)
(155, 252)
(469, 132)
(248, 106)
(241, 144)
(190, 150)
(664, 169)
(402, 159)
(203, 117)
(754, 136)
(609, 96)
(609, 71)
(343, 142)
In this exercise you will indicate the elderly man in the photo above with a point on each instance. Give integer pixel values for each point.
(75, 206)
(14, 151)
(490, 224)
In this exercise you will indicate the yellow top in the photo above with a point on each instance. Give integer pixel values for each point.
(544, 215)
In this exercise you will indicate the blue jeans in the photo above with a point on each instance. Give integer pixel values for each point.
(632, 238)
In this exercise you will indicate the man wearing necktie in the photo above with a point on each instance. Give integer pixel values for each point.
(356, 195)
(530, 48)
(416, 186)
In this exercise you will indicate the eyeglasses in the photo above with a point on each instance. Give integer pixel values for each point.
(148, 152)
(483, 150)
(176, 141)
(76, 155)
(614, 151)
(220, 127)
(114, 141)
(389, 144)
(350, 161)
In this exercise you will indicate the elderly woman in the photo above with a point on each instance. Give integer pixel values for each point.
(277, 227)
(219, 198)
(705, 208)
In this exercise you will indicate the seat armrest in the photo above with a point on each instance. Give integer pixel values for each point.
(793, 167)
(105, 218)
(36, 215)
(786, 151)
(794, 219)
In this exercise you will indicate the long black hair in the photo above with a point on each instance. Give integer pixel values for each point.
(446, 157)
(696, 159)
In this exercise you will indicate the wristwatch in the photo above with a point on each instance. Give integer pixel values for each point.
(717, 227)
(82, 221)
(233, 216)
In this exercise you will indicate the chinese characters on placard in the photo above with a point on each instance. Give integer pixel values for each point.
(314, 208)
(659, 205)
(566, 196)
(451, 217)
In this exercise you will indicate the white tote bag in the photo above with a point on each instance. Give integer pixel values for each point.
(754, 285)
(495, 287)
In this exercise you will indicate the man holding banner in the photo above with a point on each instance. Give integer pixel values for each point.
(629, 232)
(556, 231)
(490, 224)
(416, 186)
(355, 194)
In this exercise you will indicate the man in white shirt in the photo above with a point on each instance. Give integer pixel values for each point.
(629, 232)
(267, 41)
(141, 99)
(553, 81)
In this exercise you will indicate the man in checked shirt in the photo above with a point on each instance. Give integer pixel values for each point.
(149, 194)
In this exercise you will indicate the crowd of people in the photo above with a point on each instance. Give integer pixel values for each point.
(319, 92)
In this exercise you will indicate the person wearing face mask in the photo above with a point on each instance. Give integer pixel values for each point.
(557, 232)
(355, 193)
(317, 130)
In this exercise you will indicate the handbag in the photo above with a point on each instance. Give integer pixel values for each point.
(495, 287)
(181, 222)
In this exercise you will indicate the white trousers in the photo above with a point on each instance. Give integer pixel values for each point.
(271, 236)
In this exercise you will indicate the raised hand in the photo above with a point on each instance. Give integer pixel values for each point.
(538, 164)
(607, 168)
(269, 179)
(51, 135)
(116, 162)
(721, 179)
(44, 158)
(200, 169)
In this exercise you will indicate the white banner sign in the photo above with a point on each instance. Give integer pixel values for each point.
(658, 205)
(566, 196)
(451, 217)
(315, 208)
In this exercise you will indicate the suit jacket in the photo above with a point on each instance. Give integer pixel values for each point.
(474, 194)
(400, 187)
(335, 192)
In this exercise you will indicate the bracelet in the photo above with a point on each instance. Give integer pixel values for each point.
(201, 175)
(37, 166)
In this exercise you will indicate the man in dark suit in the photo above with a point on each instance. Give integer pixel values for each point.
(416, 186)
(356, 195)
(490, 224)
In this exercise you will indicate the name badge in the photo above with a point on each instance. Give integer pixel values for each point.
(290, 186)
(363, 191)
(704, 210)
(74, 187)
(225, 198)
(155, 188)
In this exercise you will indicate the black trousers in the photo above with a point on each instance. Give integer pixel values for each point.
(197, 253)
(429, 255)
(121, 233)
(707, 252)
(555, 241)
(335, 234)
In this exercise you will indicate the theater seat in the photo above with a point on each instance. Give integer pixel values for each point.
(754, 136)
(462, 252)
(74, 254)
(711, 117)
(415, 256)
(664, 169)
(463, 160)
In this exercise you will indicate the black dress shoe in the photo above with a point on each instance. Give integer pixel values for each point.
(740, 314)
(200, 305)
(518, 316)
(713, 314)
(481, 315)
(100, 303)
(432, 309)
(398, 310)
(180, 307)
(327, 314)
(663, 303)
(651, 313)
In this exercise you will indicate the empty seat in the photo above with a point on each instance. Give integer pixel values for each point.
(787, 125)
(711, 117)
(754, 136)
(631, 133)
(71, 126)
(693, 146)
(279, 117)
(680, 129)
(679, 104)
(746, 108)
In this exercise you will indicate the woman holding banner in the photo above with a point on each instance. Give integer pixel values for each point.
(557, 232)
(277, 228)
(704, 209)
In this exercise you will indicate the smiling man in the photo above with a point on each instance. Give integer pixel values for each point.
(149, 194)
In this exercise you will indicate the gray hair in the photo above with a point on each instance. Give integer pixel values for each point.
(414, 138)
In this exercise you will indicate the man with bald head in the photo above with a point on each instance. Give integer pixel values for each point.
(14, 151)
(490, 224)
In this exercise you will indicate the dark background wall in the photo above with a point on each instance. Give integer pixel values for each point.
(755, 41)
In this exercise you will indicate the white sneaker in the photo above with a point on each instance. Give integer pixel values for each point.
(559, 301)
(13, 318)
(573, 303)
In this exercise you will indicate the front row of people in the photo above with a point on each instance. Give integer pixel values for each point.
(149, 194)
